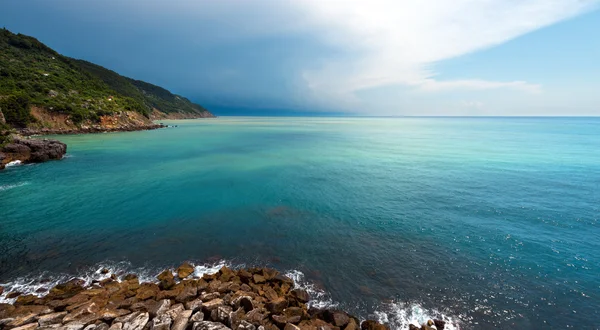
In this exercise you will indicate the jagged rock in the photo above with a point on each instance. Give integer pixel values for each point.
(237, 317)
(51, 318)
(162, 322)
(300, 295)
(277, 306)
(413, 327)
(181, 321)
(13, 294)
(73, 326)
(208, 325)
(147, 291)
(209, 296)
(258, 279)
(337, 318)
(33, 151)
(290, 326)
(110, 314)
(352, 325)
(373, 325)
(222, 314)
(244, 302)
(194, 305)
(197, 317)
(175, 310)
(30, 326)
(188, 293)
(68, 289)
(185, 270)
(134, 321)
(22, 320)
(282, 279)
(255, 316)
(428, 325)
(245, 276)
(439, 324)
(5, 310)
(270, 294)
(245, 325)
(167, 280)
(225, 274)
(212, 304)
(116, 326)
(25, 300)
(160, 307)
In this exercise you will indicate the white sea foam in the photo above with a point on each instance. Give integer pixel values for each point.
(318, 297)
(399, 315)
(11, 186)
(14, 163)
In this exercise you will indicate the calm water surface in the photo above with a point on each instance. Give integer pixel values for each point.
(490, 222)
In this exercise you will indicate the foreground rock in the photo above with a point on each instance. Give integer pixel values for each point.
(247, 299)
(31, 151)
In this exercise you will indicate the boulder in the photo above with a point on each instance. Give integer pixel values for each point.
(209, 296)
(25, 300)
(352, 325)
(211, 305)
(188, 293)
(300, 295)
(51, 318)
(33, 150)
(244, 302)
(133, 321)
(222, 314)
(67, 290)
(185, 270)
(226, 274)
(373, 325)
(30, 326)
(22, 320)
(197, 317)
(167, 280)
(194, 305)
(413, 327)
(147, 291)
(245, 325)
(159, 308)
(208, 325)
(290, 326)
(277, 306)
(162, 322)
(439, 324)
(258, 279)
(175, 310)
(181, 321)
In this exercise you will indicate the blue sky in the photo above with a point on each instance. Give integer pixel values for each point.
(377, 57)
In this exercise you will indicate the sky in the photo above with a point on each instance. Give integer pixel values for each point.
(351, 57)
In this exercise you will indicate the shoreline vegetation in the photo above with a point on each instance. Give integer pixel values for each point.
(43, 92)
(244, 299)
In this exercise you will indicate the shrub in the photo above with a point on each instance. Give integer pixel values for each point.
(16, 110)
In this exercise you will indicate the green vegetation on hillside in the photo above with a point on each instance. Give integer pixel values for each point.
(32, 74)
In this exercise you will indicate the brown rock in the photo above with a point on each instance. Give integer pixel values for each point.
(290, 326)
(147, 291)
(162, 322)
(270, 294)
(255, 316)
(245, 325)
(13, 294)
(413, 327)
(181, 321)
(5, 310)
(300, 295)
(188, 293)
(185, 270)
(277, 306)
(373, 325)
(225, 274)
(439, 324)
(25, 300)
(222, 314)
(67, 290)
(30, 326)
(339, 319)
(35, 309)
(209, 296)
(51, 318)
(245, 276)
(245, 302)
(194, 305)
(269, 273)
(22, 320)
(258, 279)
(166, 279)
(175, 310)
(160, 307)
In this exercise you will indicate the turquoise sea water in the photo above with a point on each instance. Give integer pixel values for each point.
(492, 222)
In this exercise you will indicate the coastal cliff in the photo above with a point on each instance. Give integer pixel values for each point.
(245, 299)
(31, 151)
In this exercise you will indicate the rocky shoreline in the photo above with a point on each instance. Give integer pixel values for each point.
(87, 130)
(31, 151)
(245, 299)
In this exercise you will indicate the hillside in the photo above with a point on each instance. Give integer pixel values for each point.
(40, 88)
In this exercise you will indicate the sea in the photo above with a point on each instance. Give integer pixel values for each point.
(486, 223)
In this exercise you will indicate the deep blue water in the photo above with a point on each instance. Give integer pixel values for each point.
(492, 222)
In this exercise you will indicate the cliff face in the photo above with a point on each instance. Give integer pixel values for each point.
(31, 151)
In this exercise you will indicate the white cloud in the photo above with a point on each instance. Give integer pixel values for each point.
(397, 41)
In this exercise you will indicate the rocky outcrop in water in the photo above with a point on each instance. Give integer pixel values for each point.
(31, 151)
(252, 299)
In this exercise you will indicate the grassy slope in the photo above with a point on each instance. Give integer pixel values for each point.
(32, 74)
